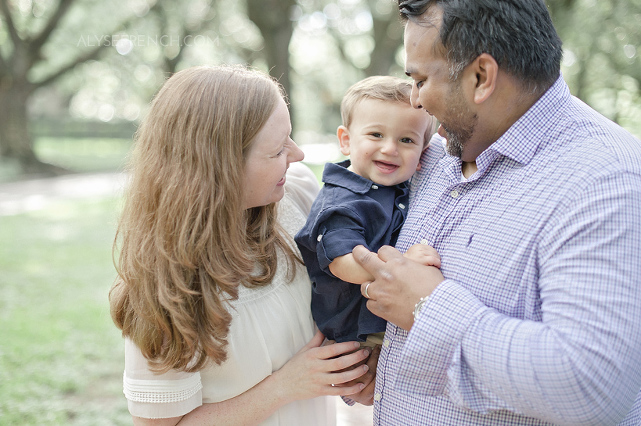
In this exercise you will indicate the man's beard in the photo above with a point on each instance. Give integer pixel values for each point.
(459, 123)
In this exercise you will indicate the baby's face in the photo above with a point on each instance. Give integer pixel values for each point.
(384, 141)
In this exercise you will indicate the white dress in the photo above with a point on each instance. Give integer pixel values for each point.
(270, 324)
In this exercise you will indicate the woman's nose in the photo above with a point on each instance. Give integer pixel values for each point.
(295, 154)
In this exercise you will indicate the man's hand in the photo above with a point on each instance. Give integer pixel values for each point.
(398, 284)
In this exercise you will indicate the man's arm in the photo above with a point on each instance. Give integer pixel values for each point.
(581, 363)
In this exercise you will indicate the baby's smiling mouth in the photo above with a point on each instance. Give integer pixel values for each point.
(386, 167)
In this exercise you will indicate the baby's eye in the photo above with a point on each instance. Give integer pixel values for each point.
(376, 135)
(407, 140)
(419, 84)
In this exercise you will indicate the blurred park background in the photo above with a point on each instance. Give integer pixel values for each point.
(76, 77)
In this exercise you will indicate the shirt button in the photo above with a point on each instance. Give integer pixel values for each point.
(386, 343)
(374, 186)
(424, 241)
(320, 237)
(377, 397)
(454, 194)
(401, 206)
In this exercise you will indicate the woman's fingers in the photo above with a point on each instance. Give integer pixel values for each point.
(346, 361)
(316, 341)
(337, 349)
(348, 376)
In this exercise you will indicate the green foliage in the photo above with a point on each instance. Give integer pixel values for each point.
(61, 357)
(602, 50)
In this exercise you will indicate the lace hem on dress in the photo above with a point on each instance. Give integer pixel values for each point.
(161, 391)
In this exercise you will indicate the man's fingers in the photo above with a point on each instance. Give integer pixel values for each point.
(367, 259)
(387, 253)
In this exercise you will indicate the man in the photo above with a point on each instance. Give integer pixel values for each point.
(533, 201)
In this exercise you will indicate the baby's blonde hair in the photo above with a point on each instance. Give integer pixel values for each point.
(382, 88)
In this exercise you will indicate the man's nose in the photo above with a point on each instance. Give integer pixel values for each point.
(414, 101)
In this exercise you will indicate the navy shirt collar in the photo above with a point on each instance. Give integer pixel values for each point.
(337, 174)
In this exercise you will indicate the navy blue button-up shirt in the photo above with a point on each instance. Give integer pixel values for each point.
(349, 210)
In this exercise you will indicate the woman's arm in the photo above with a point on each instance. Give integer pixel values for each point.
(309, 374)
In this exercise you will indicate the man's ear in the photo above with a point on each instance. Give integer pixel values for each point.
(343, 139)
(484, 71)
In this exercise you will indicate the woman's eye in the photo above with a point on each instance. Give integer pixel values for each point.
(419, 84)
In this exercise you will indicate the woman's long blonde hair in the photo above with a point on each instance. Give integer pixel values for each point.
(185, 241)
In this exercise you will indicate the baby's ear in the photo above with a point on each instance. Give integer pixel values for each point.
(343, 139)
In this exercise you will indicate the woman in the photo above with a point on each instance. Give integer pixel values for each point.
(211, 296)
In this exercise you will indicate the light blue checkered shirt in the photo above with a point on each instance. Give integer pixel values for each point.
(539, 318)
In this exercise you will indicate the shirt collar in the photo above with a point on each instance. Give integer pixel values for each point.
(337, 174)
(521, 141)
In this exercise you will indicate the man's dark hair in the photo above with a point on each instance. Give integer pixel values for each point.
(518, 34)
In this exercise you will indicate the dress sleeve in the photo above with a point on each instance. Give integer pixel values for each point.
(156, 396)
(302, 186)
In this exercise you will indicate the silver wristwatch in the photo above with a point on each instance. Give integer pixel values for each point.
(419, 306)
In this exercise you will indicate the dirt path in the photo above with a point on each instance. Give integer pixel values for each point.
(35, 194)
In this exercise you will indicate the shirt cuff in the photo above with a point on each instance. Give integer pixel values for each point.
(434, 339)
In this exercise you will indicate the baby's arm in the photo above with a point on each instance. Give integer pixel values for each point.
(423, 254)
(345, 268)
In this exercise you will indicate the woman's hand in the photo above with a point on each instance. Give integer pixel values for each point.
(317, 370)
(366, 396)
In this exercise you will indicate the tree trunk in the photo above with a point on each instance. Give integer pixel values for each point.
(15, 140)
(388, 36)
(272, 19)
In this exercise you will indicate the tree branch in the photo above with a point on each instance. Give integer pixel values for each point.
(13, 32)
(92, 54)
(39, 40)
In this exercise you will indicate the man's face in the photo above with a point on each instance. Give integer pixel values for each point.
(433, 90)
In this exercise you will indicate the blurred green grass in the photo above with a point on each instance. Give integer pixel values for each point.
(61, 358)
(79, 155)
(83, 155)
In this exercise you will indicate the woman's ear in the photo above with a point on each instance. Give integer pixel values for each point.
(343, 139)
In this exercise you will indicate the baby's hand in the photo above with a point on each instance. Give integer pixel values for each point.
(424, 254)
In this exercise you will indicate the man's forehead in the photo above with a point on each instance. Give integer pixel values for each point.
(421, 44)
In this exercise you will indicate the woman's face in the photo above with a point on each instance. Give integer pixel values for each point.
(268, 160)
